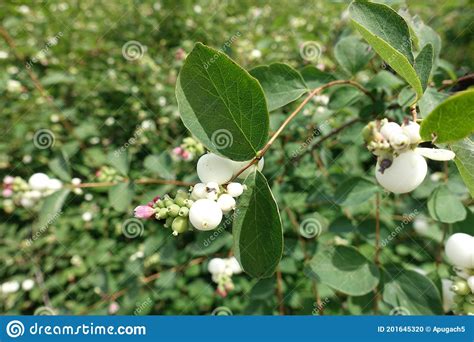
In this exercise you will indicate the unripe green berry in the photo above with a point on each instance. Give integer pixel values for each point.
(168, 202)
(184, 211)
(181, 201)
(173, 210)
(179, 225)
(470, 298)
(189, 203)
(162, 214)
(461, 288)
(181, 194)
(468, 308)
(160, 203)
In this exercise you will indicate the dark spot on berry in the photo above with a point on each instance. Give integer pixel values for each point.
(385, 164)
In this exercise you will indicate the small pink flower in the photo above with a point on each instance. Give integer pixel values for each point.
(177, 150)
(156, 198)
(114, 307)
(185, 155)
(221, 292)
(8, 180)
(144, 212)
(97, 173)
(7, 192)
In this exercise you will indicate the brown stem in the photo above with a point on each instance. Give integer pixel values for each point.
(279, 292)
(139, 181)
(413, 112)
(285, 123)
(448, 83)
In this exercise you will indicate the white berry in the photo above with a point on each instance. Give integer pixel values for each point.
(399, 141)
(214, 168)
(412, 130)
(235, 189)
(39, 181)
(405, 174)
(226, 202)
(216, 266)
(470, 282)
(199, 191)
(54, 184)
(234, 265)
(205, 214)
(390, 129)
(460, 250)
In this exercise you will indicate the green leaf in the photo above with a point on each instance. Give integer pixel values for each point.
(281, 84)
(60, 167)
(424, 64)
(464, 160)
(452, 120)
(355, 191)
(257, 229)
(314, 77)
(343, 97)
(120, 196)
(411, 292)
(221, 104)
(160, 165)
(388, 34)
(119, 160)
(344, 269)
(352, 54)
(444, 206)
(51, 208)
(431, 98)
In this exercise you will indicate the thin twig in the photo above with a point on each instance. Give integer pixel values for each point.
(139, 181)
(279, 292)
(448, 83)
(285, 123)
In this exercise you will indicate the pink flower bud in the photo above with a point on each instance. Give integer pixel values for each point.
(185, 155)
(177, 150)
(144, 211)
(221, 292)
(114, 307)
(156, 198)
(7, 192)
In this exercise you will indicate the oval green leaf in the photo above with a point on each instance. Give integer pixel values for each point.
(452, 120)
(352, 54)
(222, 104)
(257, 229)
(389, 35)
(445, 207)
(411, 292)
(464, 160)
(281, 84)
(344, 269)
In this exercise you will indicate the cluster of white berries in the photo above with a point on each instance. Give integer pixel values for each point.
(212, 198)
(401, 166)
(207, 202)
(18, 192)
(460, 253)
(13, 286)
(222, 271)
